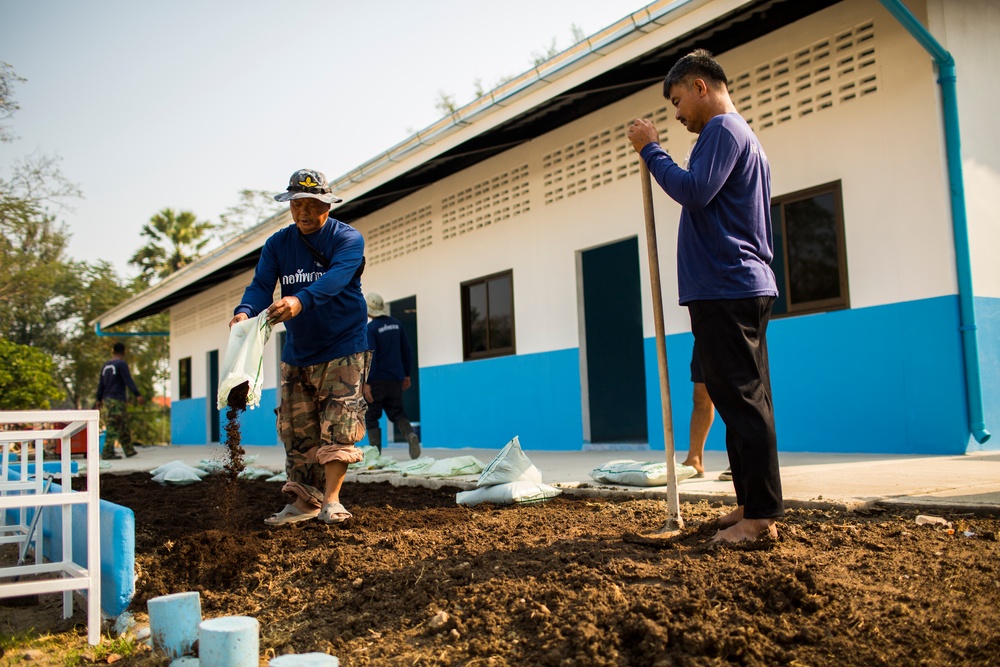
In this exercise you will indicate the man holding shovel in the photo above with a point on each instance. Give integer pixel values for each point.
(318, 263)
(724, 250)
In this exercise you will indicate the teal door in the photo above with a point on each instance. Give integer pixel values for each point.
(214, 428)
(405, 310)
(613, 345)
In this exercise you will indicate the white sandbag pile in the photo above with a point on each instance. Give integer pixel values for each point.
(510, 478)
(372, 459)
(177, 473)
(456, 466)
(217, 465)
(639, 473)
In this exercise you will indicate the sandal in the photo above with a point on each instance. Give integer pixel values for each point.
(290, 514)
(334, 513)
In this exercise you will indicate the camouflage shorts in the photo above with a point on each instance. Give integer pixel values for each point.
(116, 421)
(320, 418)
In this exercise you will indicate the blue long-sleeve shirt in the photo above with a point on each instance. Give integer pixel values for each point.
(724, 241)
(334, 314)
(115, 378)
(390, 349)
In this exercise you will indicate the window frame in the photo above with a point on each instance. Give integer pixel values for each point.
(842, 302)
(467, 354)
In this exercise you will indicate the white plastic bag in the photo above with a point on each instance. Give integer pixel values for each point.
(510, 465)
(508, 494)
(244, 360)
(637, 473)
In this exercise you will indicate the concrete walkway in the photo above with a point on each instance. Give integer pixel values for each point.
(969, 483)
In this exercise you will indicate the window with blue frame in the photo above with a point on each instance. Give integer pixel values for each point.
(810, 252)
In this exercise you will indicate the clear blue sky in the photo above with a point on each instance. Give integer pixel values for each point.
(184, 103)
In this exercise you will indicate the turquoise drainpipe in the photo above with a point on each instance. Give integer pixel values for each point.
(963, 261)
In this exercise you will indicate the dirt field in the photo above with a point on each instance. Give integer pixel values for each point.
(416, 580)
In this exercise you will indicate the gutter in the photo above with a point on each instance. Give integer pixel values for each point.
(632, 26)
(100, 332)
(963, 260)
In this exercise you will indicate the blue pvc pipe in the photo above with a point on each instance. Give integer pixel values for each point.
(960, 223)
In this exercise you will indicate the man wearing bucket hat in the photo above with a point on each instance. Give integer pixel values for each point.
(318, 263)
(390, 375)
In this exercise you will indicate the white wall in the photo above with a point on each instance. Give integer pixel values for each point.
(969, 29)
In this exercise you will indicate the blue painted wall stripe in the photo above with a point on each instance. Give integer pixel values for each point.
(884, 379)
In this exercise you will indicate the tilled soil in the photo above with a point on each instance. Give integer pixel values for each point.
(415, 579)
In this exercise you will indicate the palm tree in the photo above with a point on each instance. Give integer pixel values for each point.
(175, 239)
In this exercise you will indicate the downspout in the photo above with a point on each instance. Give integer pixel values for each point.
(963, 261)
(100, 332)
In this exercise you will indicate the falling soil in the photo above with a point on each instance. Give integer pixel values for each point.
(236, 403)
(415, 579)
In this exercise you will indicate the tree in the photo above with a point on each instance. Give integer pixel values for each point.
(175, 239)
(7, 104)
(445, 103)
(34, 277)
(254, 207)
(25, 378)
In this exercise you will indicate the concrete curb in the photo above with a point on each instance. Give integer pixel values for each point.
(610, 492)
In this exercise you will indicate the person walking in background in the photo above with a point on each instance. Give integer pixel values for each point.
(702, 416)
(724, 251)
(116, 380)
(318, 263)
(389, 376)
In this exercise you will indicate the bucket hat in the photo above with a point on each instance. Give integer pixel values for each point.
(376, 306)
(308, 183)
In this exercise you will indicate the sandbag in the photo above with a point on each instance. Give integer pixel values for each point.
(509, 493)
(176, 464)
(244, 360)
(454, 467)
(179, 475)
(638, 473)
(510, 465)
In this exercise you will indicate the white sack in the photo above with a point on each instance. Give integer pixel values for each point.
(176, 464)
(414, 467)
(179, 475)
(637, 473)
(255, 473)
(508, 494)
(244, 360)
(510, 465)
(454, 467)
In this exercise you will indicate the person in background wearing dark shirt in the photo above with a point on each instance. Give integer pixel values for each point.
(389, 376)
(115, 379)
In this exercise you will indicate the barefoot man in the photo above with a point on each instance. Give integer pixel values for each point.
(724, 251)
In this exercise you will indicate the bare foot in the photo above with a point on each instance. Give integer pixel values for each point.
(695, 462)
(732, 518)
(747, 530)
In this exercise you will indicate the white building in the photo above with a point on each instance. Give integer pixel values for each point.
(510, 238)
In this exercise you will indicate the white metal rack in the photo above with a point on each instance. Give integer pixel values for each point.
(32, 429)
